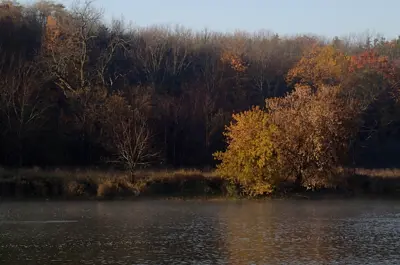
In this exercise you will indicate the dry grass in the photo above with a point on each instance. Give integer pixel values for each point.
(74, 188)
(106, 188)
(100, 176)
(382, 181)
(101, 184)
(380, 173)
(168, 174)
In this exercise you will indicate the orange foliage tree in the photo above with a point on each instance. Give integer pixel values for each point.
(370, 61)
(374, 84)
(372, 78)
(234, 61)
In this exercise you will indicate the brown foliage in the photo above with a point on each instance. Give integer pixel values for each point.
(314, 131)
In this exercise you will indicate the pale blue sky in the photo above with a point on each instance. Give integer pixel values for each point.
(321, 17)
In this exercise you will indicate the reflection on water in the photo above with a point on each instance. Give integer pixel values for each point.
(178, 232)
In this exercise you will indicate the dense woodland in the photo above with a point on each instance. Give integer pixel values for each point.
(75, 91)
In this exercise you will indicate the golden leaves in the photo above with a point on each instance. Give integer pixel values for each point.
(250, 154)
(320, 66)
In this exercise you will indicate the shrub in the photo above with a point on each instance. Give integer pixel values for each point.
(250, 159)
(74, 188)
(107, 188)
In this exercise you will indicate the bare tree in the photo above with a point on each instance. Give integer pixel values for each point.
(78, 65)
(264, 67)
(115, 41)
(179, 51)
(151, 54)
(71, 38)
(132, 140)
(125, 129)
(22, 101)
(207, 95)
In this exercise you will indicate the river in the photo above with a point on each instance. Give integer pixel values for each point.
(201, 232)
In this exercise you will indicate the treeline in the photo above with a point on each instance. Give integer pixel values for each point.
(75, 91)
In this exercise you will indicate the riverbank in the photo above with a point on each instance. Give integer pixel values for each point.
(95, 184)
(89, 184)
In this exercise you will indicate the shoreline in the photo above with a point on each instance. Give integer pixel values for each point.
(310, 196)
(294, 197)
(89, 185)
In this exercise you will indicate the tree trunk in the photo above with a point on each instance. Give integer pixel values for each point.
(298, 181)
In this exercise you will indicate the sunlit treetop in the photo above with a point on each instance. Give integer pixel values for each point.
(234, 61)
(320, 66)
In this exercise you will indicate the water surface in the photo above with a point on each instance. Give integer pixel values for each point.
(194, 232)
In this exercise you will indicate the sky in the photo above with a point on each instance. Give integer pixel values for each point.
(286, 17)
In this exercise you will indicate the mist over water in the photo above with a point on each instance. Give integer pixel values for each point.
(194, 232)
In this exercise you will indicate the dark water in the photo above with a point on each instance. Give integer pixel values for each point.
(178, 232)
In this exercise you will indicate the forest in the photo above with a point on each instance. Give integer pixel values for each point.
(76, 91)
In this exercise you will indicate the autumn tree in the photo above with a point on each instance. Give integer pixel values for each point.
(319, 66)
(374, 84)
(250, 158)
(315, 129)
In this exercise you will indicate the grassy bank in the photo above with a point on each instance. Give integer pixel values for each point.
(375, 181)
(84, 184)
(93, 184)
